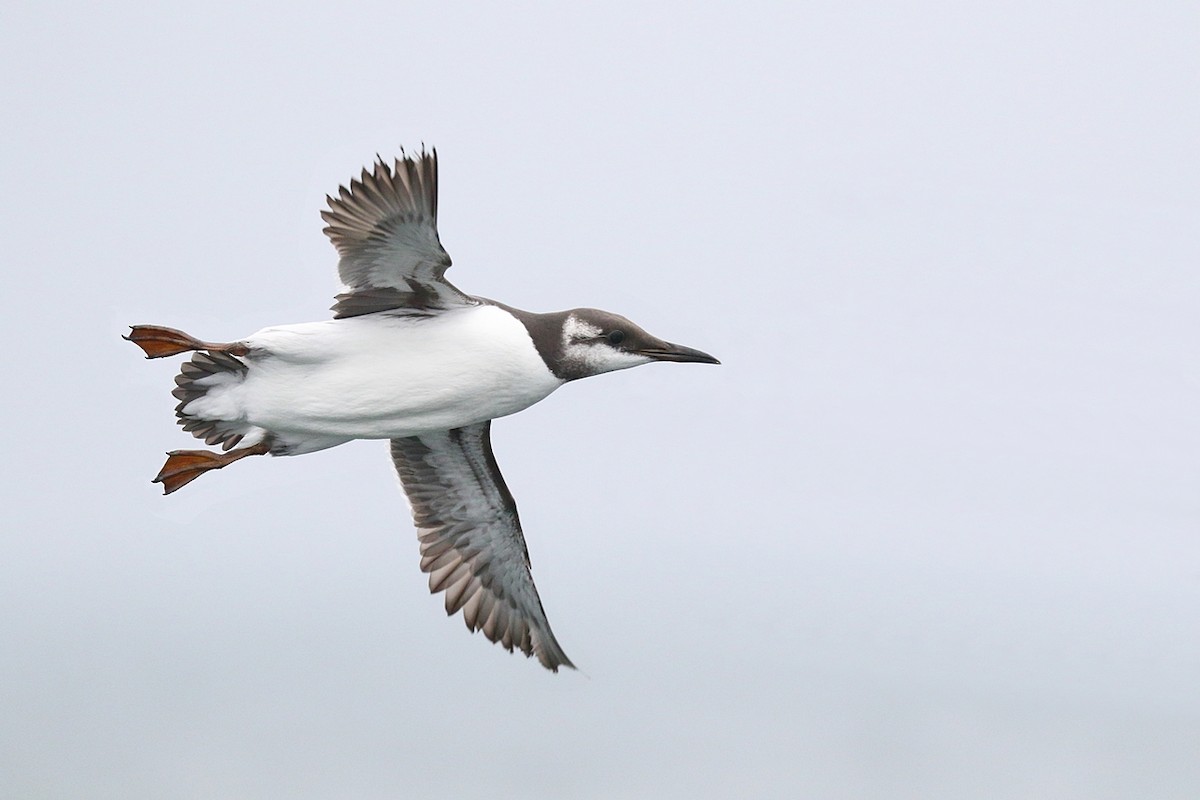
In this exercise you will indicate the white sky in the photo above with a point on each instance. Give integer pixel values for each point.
(931, 531)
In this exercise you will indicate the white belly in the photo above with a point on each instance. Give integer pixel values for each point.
(381, 377)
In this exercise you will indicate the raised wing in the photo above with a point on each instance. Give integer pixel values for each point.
(385, 230)
(471, 542)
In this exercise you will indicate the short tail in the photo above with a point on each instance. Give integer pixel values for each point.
(198, 377)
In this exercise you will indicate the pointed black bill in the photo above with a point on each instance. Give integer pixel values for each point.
(679, 353)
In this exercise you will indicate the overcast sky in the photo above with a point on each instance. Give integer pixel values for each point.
(932, 530)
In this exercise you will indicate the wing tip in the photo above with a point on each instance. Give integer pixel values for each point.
(391, 184)
(548, 651)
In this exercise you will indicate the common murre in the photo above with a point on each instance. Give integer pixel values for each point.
(410, 358)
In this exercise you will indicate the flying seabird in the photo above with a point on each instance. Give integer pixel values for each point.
(410, 358)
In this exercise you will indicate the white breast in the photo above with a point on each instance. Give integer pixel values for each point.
(380, 376)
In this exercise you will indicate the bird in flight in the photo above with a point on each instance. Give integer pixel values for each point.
(410, 358)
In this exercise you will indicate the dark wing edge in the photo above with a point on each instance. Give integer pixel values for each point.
(471, 541)
(384, 226)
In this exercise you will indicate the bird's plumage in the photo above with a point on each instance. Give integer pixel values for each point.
(384, 226)
(410, 358)
(471, 540)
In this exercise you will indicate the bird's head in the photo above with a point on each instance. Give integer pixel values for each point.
(595, 341)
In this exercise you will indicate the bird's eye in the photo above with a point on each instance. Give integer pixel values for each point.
(616, 337)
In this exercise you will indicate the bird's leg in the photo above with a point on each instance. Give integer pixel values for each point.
(159, 342)
(184, 466)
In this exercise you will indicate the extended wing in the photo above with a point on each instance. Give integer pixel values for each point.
(384, 227)
(471, 541)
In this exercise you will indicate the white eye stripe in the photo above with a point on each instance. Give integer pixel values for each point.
(588, 350)
(575, 329)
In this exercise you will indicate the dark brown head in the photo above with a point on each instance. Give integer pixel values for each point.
(586, 341)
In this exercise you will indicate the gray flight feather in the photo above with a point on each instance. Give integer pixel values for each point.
(471, 541)
(384, 227)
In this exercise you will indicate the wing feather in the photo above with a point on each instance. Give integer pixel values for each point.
(384, 226)
(471, 541)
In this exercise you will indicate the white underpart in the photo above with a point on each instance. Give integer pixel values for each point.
(381, 377)
(584, 346)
